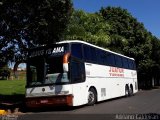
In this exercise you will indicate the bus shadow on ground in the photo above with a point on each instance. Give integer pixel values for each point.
(11, 102)
(53, 109)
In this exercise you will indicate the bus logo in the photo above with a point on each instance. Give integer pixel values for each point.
(116, 72)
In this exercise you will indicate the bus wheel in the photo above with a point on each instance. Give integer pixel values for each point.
(92, 97)
(126, 91)
(131, 91)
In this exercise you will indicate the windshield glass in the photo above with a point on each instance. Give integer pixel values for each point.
(43, 71)
(35, 68)
(56, 78)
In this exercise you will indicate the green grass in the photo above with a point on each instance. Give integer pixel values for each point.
(12, 87)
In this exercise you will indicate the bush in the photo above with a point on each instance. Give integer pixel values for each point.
(4, 74)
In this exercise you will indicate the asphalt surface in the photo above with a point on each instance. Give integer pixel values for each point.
(145, 105)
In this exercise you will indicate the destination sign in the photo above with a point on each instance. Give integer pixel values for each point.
(49, 51)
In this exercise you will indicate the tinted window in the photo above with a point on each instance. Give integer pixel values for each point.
(100, 57)
(77, 50)
(110, 59)
(125, 63)
(118, 60)
(87, 55)
(35, 70)
(77, 72)
(54, 65)
(93, 55)
(131, 65)
(134, 65)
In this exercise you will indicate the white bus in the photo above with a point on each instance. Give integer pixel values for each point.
(75, 73)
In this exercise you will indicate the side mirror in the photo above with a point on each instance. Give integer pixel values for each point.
(66, 62)
(65, 67)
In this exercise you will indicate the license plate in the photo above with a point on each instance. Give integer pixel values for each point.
(44, 101)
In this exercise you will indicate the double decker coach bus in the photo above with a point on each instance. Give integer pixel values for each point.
(75, 73)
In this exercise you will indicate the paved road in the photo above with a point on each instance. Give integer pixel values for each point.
(143, 103)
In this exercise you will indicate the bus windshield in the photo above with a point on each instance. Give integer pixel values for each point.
(44, 71)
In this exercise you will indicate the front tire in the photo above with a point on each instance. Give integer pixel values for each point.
(92, 97)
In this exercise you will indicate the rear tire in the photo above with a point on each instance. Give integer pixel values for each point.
(127, 91)
(92, 96)
(131, 91)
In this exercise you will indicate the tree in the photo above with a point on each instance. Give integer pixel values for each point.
(155, 55)
(125, 25)
(88, 27)
(4, 71)
(28, 23)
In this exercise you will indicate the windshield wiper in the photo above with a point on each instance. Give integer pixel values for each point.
(35, 83)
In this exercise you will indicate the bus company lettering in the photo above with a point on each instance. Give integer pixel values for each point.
(116, 72)
(37, 53)
(47, 52)
(58, 50)
(55, 50)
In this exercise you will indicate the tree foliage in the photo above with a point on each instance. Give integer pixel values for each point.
(29, 23)
(4, 72)
(88, 27)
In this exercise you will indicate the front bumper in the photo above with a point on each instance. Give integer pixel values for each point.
(49, 101)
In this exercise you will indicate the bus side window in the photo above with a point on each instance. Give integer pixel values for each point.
(98, 52)
(93, 55)
(118, 60)
(101, 57)
(77, 50)
(134, 65)
(77, 72)
(125, 63)
(110, 59)
(131, 66)
(86, 51)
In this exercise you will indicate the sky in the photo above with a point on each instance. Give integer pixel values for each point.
(145, 11)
